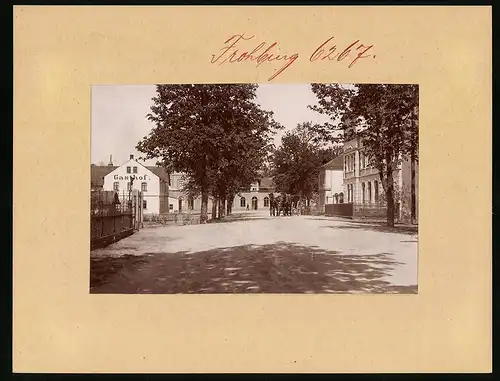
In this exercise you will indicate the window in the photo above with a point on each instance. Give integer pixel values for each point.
(370, 192)
(363, 192)
(134, 169)
(116, 186)
(171, 206)
(128, 169)
(242, 202)
(375, 186)
(144, 187)
(129, 186)
(144, 204)
(190, 203)
(266, 202)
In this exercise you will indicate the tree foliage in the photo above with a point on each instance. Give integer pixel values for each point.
(296, 163)
(213, 133)
(385, 117)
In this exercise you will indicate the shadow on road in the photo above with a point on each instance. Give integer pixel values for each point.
(377, 228)
(236, 219)
(246, 217)
(275, 268)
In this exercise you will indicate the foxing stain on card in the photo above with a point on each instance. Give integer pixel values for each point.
(236, 51)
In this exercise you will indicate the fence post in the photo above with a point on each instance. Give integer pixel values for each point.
(101, 213)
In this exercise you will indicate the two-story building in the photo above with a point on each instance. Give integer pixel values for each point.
(361, 180)
(180, 201)
(151, 181)
(331, 181)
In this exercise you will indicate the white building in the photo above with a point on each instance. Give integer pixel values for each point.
(255, 198)
(362, 186)
(151, 181)
(331, 180)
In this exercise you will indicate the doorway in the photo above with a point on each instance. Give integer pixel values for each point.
(254, 203)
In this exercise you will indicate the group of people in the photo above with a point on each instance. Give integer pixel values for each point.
(282, 203)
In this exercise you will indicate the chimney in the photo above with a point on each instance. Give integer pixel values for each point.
(110, 160)
(131, 156)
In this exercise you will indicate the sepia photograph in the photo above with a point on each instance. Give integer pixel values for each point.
(254, 188)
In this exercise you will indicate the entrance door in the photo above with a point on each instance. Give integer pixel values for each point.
(180, 205)
(254, 203)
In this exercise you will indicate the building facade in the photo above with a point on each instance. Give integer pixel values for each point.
(331, 181)
(254, 198)
(361, 180)
(179, 200)
(163, 192)
(151, 181)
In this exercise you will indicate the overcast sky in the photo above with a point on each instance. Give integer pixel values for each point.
(119, 115)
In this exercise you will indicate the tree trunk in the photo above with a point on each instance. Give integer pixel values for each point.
(204, 207)
(221, 207)
(413, 192)
(390, 197)
(222, 210)
(229, 204)
(214, 208)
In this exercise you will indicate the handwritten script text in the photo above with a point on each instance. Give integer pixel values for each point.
(238, 48)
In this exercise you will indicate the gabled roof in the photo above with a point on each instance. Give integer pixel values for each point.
(98, 172)
(160, 172)
(336, 164)
(266, 182)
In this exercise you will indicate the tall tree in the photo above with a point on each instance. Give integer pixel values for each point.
(207, 132)
(383, 116)
(296, 163)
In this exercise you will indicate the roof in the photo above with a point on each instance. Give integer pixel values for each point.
(266, 182)
(98, 172)
(336, 164)
(160, 172)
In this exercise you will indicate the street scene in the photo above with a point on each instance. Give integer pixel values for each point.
(246, 188)
(300, 254)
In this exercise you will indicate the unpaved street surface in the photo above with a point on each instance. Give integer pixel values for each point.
(255, 253)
